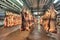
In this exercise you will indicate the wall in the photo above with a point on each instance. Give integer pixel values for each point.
(2, 15)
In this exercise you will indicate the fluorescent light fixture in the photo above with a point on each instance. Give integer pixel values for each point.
(20, 2)
(55, 1)
(35, 13)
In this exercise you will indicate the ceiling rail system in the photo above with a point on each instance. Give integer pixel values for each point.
(33, 5)
(8, 7)
(57, 5)
(11, 5)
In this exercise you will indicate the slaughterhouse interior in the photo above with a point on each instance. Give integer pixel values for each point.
(29, 19)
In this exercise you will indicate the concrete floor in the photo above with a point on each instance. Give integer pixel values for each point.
(12, 33)
(17, 35)
(37, 33)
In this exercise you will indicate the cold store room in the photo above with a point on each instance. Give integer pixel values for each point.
(29, 19)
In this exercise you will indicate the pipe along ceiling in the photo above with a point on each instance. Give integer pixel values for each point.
(34, 5)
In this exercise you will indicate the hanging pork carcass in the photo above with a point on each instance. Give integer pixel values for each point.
(45, 21)
(48, 20)
(52, 20)
(6, 22)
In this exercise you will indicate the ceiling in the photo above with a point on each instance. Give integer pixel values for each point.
(11, 5)
(34, 5)
(57, 5)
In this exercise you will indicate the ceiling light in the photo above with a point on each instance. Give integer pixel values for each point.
(55, 1)
(19, 2)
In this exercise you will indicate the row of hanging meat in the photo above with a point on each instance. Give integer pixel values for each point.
(28, 20)
(12, 19)
(48, 20)
(25, 20)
